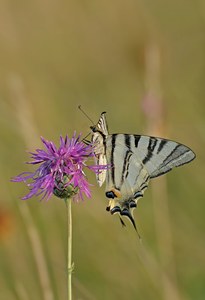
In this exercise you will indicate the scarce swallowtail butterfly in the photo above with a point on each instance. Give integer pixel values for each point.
(132, 161)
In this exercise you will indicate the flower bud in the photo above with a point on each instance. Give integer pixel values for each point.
(63, 189)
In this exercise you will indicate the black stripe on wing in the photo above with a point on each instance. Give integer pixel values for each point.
(125, 170)
(151, 146)
(137, 139)
(127, 140)
(128, 154)
(112, 157)
(162, 144)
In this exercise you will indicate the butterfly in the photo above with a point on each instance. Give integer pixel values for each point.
(132, 161)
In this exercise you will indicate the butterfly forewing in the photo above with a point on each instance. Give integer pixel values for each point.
(158, 155)
(100, 132)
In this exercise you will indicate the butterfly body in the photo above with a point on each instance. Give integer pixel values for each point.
(132, 161)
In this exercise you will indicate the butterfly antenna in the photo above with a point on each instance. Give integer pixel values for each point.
(79, 107)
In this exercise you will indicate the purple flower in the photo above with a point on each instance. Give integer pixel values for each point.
(60, 171)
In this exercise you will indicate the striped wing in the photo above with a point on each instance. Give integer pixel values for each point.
(127, 178)
(100, 132)
(126, 167)
(134, 160)
(100, 160)
(158, 155)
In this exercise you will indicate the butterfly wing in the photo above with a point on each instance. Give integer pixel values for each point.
(126, 179)
(126, 166)
(134, 159)
(100, 159)
(99, 134)
(159, 155)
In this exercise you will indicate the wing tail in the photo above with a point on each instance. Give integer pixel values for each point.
(124, 209)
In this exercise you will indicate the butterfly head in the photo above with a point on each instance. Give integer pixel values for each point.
(94, 128)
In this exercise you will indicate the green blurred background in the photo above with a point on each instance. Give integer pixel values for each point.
(144, 63)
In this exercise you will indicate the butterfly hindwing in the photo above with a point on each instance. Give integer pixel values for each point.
(126, 167)
(126, 180)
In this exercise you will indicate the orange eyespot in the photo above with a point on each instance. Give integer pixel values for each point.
(113, 193)
(117, 193)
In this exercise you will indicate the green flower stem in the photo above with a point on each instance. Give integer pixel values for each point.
(69, 258)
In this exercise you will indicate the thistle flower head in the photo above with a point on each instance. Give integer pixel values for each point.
(60, 171)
